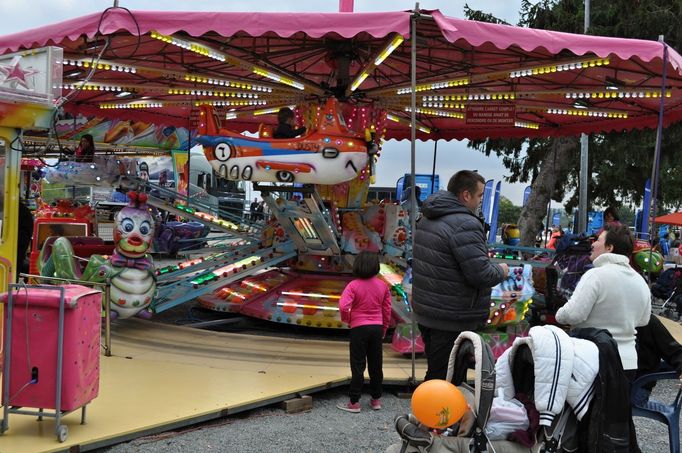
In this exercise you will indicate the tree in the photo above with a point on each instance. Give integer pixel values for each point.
(624, 159)
(508, 213)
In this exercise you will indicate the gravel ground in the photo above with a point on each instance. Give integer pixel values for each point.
(327, 429)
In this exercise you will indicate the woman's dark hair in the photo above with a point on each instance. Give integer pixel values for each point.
(620, 237)
(284, 114)
(90, 140)
(366, 265)
(87, 152)
(613, 212)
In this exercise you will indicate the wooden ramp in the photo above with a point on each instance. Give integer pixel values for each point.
(161, 377)
(674, 327)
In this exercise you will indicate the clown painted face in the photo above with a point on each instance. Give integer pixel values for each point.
(134, 232)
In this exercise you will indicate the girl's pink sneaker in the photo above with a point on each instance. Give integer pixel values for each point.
(349, 407)
(375, 404)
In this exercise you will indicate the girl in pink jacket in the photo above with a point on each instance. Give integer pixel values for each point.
(366, 306)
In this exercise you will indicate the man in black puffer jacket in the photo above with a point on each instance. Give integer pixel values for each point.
(452, 272)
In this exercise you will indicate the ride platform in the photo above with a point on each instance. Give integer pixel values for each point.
(162, 377)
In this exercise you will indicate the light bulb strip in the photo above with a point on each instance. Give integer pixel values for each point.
(90, 86)
(358, 80)
(392, 45)
(102, 65)
(271, 110)
(571, 111)
(513, 74)
(216, 93)
(435, 86)
(558, 67)
(228, 103)
(259, 112)
(617, 94)
(278, 78)
(526, 124)
(394, 42)
(587, 112)
(444, 105)
(482, 96)
(196, 78)
(149, 103)
(132, 105)
(207, 51)
(397, 119)
(572, 94)
(186, 76)
(157, 89)
(195, 47)
(435, 112)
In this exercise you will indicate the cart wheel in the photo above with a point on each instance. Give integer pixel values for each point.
(62, 433)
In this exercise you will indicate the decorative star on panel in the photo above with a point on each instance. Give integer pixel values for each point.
(13, 75)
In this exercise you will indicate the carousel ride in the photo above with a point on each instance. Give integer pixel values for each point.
(295, 271)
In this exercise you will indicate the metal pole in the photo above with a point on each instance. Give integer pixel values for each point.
(107, 318)
(657, 150)
(433, 171)
(8, 359)
(413, 138)
(587, 16)
(60, 361)
(189, 159)
(544, 234)
(584, 155)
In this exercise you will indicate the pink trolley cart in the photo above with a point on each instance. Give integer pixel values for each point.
(52, 348)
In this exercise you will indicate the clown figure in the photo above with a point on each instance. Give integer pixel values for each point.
(133, 283)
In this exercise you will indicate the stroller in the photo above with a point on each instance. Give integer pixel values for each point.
(470, 352)
(668, 287)
(571, 261)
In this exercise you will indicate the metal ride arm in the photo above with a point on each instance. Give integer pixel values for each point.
(169, 200)
(168, 275)
(187, 290)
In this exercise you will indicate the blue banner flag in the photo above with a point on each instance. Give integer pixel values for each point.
(496, 210)
(646, 208)
(556, 218)
(526, 194)
(485, 205)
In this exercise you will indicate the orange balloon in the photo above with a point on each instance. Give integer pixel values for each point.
(438, 404)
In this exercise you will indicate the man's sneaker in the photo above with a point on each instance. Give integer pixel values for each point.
(349, 407)
(375, 404)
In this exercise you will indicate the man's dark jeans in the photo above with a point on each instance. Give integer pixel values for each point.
(437, 346)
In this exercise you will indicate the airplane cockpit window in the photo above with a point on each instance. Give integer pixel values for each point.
(342, 120)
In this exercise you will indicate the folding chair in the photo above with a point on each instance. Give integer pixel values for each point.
(668, 414)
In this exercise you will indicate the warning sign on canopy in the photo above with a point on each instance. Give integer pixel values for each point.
(490, 114)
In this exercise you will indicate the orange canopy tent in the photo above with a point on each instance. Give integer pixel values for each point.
(670, 219)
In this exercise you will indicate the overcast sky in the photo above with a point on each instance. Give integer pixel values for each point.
(395, 160)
